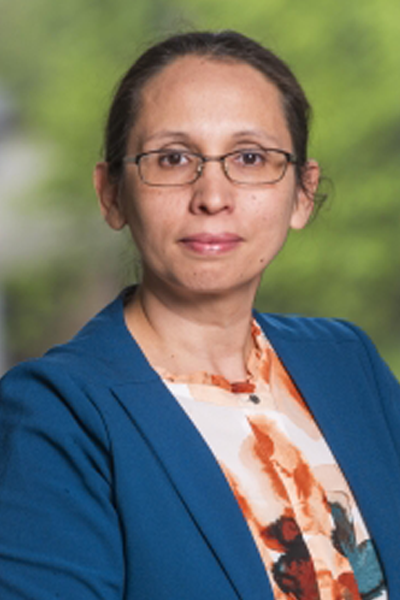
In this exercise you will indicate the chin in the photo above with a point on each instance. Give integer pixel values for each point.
(211, 284)
(206, 280)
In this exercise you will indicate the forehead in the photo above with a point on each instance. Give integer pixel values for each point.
(201, 92)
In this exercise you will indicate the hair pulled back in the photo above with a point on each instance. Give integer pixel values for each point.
(224, 45)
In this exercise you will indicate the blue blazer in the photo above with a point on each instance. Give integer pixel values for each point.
(107, 491)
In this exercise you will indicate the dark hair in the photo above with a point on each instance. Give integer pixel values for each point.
(224, 45)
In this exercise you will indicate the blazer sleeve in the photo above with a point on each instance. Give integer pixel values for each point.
(59, 530)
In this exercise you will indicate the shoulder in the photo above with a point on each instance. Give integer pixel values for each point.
(312, 329)
(337, 346)
(101, 353)
(53, 400)
(325, 337)
(76, 380)
(64, 398)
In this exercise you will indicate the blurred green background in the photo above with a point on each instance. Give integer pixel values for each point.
(59, 63)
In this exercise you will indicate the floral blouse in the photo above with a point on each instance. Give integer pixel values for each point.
(297, 503)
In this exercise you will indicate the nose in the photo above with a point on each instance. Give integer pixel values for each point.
(212, 192)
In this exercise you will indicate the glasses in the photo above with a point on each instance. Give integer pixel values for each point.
(252, 166)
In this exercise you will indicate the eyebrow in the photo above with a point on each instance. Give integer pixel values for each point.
(165, 134)
(258, 133)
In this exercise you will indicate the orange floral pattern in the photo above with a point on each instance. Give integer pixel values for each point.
(296, 501)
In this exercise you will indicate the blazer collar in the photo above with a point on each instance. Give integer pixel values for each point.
(113, 351)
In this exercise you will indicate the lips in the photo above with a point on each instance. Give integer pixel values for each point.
(211, 244)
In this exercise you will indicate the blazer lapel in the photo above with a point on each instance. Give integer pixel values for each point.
(200, 483)
(330, 377)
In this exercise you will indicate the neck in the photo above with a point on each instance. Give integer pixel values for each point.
(203, 332)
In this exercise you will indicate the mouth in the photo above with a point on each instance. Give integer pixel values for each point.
(211, 244)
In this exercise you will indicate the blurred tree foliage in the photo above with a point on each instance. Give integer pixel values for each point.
(63, 59)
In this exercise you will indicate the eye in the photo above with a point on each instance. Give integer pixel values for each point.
(250, 158)
(172, 158)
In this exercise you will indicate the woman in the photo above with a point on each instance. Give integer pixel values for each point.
(180, 446)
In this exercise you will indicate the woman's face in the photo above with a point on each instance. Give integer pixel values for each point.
(212, 236)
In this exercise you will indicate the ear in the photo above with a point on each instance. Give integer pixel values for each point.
(304, 206)
(109, 197)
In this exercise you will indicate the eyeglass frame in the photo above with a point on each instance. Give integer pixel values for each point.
(290, 159)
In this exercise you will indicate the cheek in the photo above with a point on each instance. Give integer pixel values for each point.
(271, 224)
(271, 215)
(151, 224)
